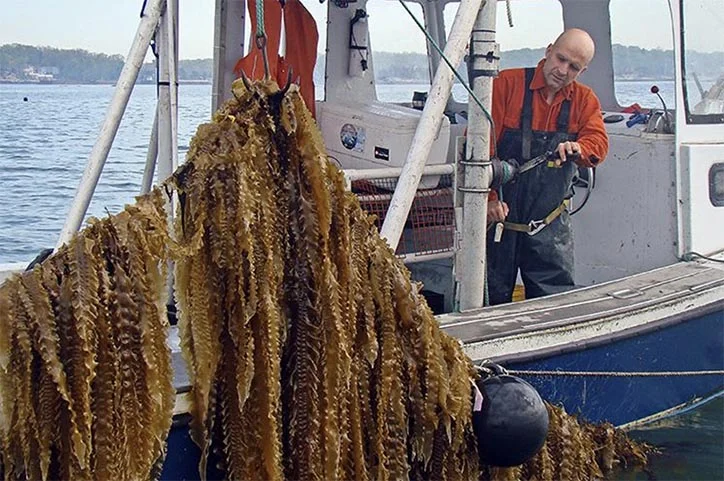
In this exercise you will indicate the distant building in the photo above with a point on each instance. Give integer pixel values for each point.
(40, 75)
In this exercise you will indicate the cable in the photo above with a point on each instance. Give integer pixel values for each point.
(454, 71)
(691, 255)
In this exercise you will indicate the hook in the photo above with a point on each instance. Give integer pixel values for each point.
(247, 82)
(261, 45)
(289, 82)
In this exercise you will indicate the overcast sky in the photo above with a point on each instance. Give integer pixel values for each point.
(108, 26)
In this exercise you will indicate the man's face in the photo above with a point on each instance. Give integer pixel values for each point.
(563, 64)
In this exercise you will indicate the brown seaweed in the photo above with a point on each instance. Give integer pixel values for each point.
(85, 374)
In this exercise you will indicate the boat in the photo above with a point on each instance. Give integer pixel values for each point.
(643, 335)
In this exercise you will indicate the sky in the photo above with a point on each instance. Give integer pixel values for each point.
(108, 26)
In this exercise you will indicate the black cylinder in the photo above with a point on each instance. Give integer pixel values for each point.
(513, 423)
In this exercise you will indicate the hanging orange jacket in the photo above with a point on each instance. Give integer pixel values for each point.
(301, 47)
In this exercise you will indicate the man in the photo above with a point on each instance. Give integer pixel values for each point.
(538, 110)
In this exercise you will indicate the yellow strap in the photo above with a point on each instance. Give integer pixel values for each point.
(517, 227)
(528, 228)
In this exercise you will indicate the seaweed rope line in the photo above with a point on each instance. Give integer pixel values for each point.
(454, 71)
(261, 36)
(616, 373)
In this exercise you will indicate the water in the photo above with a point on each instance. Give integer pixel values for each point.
(44, 145)
(691, 445)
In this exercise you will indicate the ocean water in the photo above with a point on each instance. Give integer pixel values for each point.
(44, 145)
(45, 142)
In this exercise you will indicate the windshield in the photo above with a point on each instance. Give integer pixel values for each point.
(703, 60)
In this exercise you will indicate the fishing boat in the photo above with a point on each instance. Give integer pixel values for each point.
(643, 334)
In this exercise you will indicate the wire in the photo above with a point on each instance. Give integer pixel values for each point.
(454, 70)
(691, 255)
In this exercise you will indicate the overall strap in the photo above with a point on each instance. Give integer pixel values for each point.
(563, 116)
(526, 116)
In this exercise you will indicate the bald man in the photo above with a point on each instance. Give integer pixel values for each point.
(538, 110)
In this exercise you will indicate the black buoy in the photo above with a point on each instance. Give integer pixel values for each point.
(512, 423)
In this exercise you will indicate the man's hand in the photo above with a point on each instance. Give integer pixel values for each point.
(567, 148)
(497, 211)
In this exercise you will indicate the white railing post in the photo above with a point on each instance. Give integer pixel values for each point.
(429, 123)
(117, 107)
(483, 66)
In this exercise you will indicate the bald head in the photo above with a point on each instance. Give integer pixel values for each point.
(567, 58)
(578, 41)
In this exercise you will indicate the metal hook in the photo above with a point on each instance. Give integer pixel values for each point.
(245, 79)
(289, 82)
(261, 45)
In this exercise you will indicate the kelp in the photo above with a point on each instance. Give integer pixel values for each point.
(85, 373)
(576, 450)
(312, 354)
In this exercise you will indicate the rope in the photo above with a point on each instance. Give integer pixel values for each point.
(617, 373)
(454, 70)
(260, 19)
(509, 12)
(261, 37)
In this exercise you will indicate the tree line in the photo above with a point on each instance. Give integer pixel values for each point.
(23, 62)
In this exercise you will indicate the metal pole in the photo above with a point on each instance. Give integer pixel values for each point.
(165, 132)
(429, 123)
(151, 156)
(172, 18)
(229, 36)
(477, 168)
(124, 87)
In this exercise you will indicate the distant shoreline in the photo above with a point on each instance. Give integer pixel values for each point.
(54, 82)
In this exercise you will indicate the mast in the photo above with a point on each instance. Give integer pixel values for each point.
(483, 66)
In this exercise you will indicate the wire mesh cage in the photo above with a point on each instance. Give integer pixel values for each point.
(430, 225)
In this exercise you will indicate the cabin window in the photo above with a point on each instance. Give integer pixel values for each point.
(535, 25)
(716, 184)
(643, 53)
(703, 60)
(399, 51)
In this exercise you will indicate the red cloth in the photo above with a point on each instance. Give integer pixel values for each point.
(301, 47)
(631, 109)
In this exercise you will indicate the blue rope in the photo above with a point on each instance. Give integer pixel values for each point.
(260, 19)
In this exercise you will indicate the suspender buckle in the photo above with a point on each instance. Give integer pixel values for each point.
(536, 226)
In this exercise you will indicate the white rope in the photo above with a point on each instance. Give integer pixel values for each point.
(617, 373)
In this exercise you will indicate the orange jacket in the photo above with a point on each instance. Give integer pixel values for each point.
(585, 120)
